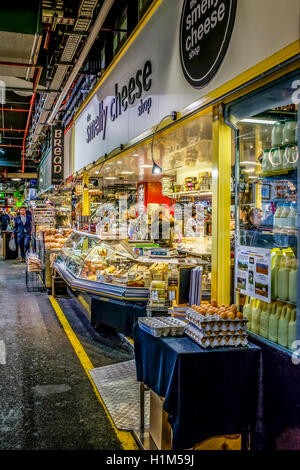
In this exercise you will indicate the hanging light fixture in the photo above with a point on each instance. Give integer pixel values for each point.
(156, 169)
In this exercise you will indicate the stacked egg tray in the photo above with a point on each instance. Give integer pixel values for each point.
(162, 326)
(211, 331)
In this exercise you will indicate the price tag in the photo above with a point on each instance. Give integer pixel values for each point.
(172, 294)
(154, 295)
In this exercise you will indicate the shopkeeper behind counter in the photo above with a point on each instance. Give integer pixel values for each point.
(191, 226)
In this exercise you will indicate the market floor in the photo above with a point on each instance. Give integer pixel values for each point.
(46, 398)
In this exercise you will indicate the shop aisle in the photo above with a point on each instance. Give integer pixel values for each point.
(46, 398)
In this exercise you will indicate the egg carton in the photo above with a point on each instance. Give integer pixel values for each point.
(217, 341)
(193, 315)
(220, 326)
(162, 326)
(217, 332)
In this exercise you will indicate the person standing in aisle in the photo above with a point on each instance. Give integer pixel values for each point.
(22, 230)
(5, 219)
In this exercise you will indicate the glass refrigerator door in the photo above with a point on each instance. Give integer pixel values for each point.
(267, 210)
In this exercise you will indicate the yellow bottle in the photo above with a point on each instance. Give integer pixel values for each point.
(256, 312)
(293, 281)
(292, 330)
(283, 325)
(275, 261)
(248, 312)
(264, 319)
(283, 276)
(273, 322)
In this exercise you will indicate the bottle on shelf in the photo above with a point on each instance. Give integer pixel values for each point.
(292, 330)
(276, 157)
(289, 133)
(277, 134)
(256, 312)
(292, 217)
(247, 310)
(293, 281)
(275, 263)
(283, 275)
(273, 322)
(284, 217)
(266, 164)
(283, 324)
(265, 318)
(277, 218)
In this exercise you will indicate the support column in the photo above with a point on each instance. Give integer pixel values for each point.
(221, 199)
(86, 209)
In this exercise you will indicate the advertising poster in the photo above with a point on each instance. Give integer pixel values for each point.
(253, 272)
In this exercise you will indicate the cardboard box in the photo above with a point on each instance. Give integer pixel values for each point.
(160, 430)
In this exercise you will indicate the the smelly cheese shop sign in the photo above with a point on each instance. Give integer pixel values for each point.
(205, 31)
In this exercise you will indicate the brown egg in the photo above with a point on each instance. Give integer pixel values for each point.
(219, 339)
(202, 312)
(231, 316)
(223, 305)
(224, 316)
(234, 308)
(214, 302)
(239, 315)
(211, 339)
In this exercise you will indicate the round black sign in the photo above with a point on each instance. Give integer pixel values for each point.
(205, 31)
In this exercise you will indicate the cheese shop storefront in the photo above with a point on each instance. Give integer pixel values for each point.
(214, 139)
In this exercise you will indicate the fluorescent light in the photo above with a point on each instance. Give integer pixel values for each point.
(16, 179)
(96, 172)
(249, 170)
(258, 121)
(146, 166)
(110, 178)
(119, 162)
(135, 154)
(127, 172)
(249, 163)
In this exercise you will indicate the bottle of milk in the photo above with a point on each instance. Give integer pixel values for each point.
(292, 217)
(277, 218)
(284, 217)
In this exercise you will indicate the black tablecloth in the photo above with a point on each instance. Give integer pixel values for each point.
(207, 392)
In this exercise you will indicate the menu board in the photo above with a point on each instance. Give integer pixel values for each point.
(253, 272)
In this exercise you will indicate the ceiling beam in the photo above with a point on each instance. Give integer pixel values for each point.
(22, 175)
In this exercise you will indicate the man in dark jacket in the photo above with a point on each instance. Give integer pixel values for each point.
(22, 230)
(4, 221)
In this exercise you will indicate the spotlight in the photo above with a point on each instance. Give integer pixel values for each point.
(156, 169)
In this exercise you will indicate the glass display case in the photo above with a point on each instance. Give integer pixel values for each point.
(266, 133)
(115, 268)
